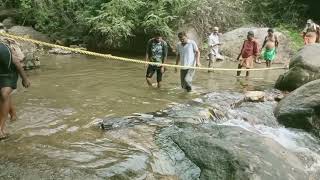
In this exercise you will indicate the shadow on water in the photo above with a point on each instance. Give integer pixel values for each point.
(56, 136)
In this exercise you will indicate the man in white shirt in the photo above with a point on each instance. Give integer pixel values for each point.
(311, 32)
(189, 55)
(214, 43)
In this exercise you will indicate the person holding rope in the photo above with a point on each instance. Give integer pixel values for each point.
(214, 43)
(248, 54)
(189, 55)
(271, 43)
(157, 51)
(10, 69)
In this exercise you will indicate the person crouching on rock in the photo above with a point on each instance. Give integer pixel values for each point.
(10, 68)
(157, 51)
(271, 43)
(311, 33)
(248, 54)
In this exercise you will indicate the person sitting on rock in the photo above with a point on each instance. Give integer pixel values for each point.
(10, 68)
(271, 43)
(214, 43)
(311, 33)
(248, 54)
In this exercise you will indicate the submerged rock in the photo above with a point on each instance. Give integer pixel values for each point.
(304, 67)
(255, 96)
(301, 108)
(59, 51)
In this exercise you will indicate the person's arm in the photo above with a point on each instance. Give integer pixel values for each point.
(304, 32)
(198, 63)
(255, 50)
(264, 42)
(241, 51)
(276, 41)
(147, 52)
(177, 61)
(17, 62)
(177, 57)
(165, 55)
(197, 54)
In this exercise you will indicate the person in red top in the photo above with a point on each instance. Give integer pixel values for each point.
(248, 54)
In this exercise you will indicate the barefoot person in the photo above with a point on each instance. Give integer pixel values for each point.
(271, 44)
(157, 51)
(214, 43)
(311, 33)
(189, 55)
(248, 54)
(10, 68)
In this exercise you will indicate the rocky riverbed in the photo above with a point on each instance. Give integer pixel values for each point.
(217, 136)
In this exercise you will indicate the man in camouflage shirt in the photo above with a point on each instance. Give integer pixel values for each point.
(157, 51)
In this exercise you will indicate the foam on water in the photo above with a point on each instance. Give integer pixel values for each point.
(298, 142)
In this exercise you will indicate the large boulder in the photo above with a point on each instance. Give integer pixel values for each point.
(30, 50)
(30, 32)
(304, 67)
(301, 109)
(233, 153)
(232, 42)
(8, 22)
(5, 13)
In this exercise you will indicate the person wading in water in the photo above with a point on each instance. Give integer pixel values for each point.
(10, 69)
(214, 43)
(271, 44)
(189, 55)
(248, 54)
(157, 51)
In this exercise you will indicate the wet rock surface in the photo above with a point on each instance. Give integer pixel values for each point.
(301, 108)
(223, 152)
(219, 136)
(304, 67)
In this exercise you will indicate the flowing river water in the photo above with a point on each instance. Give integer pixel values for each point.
(56, 135)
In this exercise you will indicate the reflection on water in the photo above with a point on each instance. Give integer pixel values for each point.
(56, 137)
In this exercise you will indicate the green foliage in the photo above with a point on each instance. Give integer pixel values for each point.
(115, 23)
(276, 12)
(294, 34)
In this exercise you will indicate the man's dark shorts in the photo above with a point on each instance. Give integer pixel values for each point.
(152, 69)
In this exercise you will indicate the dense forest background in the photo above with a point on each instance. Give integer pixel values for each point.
(123, 24)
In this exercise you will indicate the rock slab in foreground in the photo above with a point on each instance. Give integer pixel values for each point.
(232, 153)
(304, 67)
(301, 109)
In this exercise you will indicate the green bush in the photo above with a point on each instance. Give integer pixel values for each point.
(125, 23)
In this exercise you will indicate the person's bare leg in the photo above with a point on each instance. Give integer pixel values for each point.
(210, 63)
(159, 84)
(12, 111)
(239, 72)
(149, 82)
(247, 73)
(4, 109)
